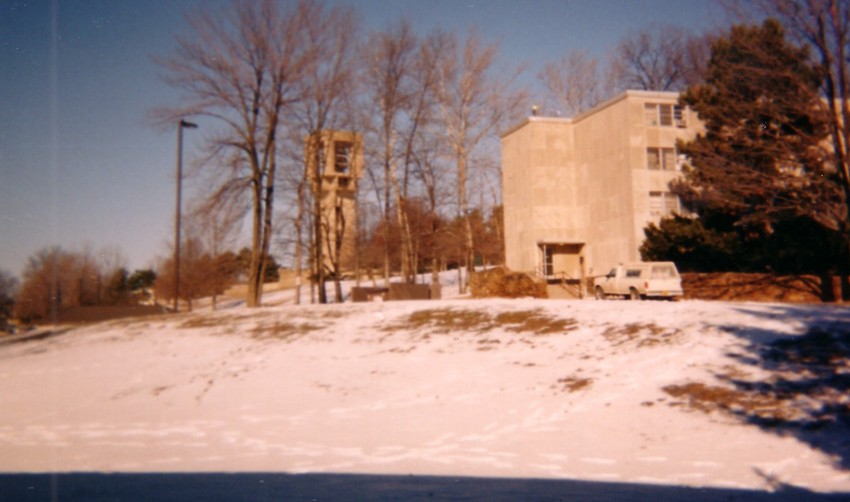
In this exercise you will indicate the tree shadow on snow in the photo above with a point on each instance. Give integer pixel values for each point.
(800, 385)
(321, 487)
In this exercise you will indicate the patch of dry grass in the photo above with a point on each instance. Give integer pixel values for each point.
(572, 384)
(320, 314)
(803, 384)
(449, 320)
(203, 321)
(284, 331)
(263, 329)
(445, 320)
(534, 321)
(645, 335)
(709, 398)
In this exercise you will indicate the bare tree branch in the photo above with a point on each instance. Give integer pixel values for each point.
(242, 70)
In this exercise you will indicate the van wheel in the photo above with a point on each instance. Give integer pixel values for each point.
(633, 294)
(600, 295)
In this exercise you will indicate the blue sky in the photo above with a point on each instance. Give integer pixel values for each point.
(79, 163)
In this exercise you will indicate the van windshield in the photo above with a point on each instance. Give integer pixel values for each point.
(664, 272)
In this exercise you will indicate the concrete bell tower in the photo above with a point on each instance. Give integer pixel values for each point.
(338, 158)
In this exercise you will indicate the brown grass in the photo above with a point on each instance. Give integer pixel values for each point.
(443, 321)
(202, 321)
(707, 398)
(284, 331)
(501, 282)
(646, 335)
(572, 384)
(448, 321)
(534, 321)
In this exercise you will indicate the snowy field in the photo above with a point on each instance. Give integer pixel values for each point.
(703, 394)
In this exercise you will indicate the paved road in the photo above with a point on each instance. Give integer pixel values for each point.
(322, 487)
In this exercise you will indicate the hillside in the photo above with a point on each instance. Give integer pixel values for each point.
(708, 394)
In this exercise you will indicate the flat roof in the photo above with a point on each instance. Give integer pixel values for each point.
(665, 95)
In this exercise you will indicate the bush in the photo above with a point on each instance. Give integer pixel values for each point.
(501, 282)
(713, 244)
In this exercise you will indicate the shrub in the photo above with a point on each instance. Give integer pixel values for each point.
(501, 282)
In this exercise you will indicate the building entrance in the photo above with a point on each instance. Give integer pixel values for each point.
(562, 265)
(562, 260)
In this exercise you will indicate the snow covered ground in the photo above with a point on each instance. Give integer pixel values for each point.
(686, 393)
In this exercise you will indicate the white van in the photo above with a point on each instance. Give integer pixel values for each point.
(656, 279)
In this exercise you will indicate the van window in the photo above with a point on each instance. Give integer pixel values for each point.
(664, 272)
(633, 272)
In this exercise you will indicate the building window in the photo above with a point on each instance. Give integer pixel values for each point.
(320, 157)
(678, 116)
(661, 159)
(650, 113)
(342, 156)
(663, 203)
(663, 115)
(549, 267)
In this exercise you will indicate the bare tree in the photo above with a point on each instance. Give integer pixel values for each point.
(90, 270)
(473, 103)
(697, 53)
(55, 279)
(387, 61)
(196, 272)
(214, 223)
(41, 292)
(330, 35)
(296, 204)
(400, 78)
(658, 58)
(572, 84)
(242, 69)
(110, 263)
(423, 147)
(433, 175)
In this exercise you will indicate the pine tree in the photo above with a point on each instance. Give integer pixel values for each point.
(760, 159)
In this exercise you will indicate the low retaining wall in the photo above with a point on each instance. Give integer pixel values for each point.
(395, 292)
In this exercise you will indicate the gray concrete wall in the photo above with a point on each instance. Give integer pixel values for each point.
(586, 180)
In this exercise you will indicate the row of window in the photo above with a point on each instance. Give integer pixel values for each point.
(661, 115)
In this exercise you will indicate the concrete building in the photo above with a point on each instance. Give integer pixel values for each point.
(578, 192)
(339, 158)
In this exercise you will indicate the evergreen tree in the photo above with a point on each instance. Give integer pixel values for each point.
(141, 279)
(760, 159)
(691, 245)
(713, 243)
(8, 289)
(759, 171)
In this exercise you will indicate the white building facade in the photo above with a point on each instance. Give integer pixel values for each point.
(578, 192)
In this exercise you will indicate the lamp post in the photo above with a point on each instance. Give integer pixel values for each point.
(180, 126)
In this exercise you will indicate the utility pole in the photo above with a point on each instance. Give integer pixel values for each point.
(180, 126)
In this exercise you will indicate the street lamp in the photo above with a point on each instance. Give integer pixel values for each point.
(188, 125)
